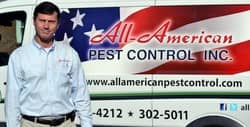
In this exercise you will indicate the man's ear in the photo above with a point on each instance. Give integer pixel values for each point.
(58, 25)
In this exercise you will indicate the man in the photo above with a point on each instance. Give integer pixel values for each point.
(46, 84)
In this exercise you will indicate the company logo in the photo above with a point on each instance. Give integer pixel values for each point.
(228, 107)
(223, 107)
(63, 60)
(121, 32)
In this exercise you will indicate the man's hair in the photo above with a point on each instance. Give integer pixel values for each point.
(46, 8)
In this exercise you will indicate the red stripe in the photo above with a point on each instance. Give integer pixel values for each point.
(149, 19)
(240, 63)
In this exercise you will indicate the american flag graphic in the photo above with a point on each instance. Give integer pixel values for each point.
(78, 25)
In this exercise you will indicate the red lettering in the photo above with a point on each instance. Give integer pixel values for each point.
(96, 39)
(144, 38)
(159, 34)
(111, 35)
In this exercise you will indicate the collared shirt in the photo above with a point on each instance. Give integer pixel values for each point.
(46, 83)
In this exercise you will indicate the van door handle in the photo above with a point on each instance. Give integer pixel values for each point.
(5, 83)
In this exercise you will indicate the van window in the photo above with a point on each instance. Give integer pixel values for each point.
(12, 26)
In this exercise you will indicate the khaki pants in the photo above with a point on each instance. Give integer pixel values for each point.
(27, 123)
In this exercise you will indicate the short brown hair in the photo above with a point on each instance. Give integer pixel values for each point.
(46, 8)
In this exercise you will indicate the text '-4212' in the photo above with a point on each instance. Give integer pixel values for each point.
(142, 113)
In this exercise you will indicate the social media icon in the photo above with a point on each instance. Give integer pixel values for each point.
(223, 107)
(233, 107)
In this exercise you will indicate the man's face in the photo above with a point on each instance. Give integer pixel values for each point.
(45, 26)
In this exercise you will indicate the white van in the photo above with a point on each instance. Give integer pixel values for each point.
(150, 63)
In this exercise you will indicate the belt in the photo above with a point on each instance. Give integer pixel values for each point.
(52, 122)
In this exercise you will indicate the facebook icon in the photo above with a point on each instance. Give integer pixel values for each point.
(223, 107)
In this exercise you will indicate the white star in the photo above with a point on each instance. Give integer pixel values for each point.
(93, 31)
(66, 40)
(77, 20)
(65, 10)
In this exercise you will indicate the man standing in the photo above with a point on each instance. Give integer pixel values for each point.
(46, 84)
